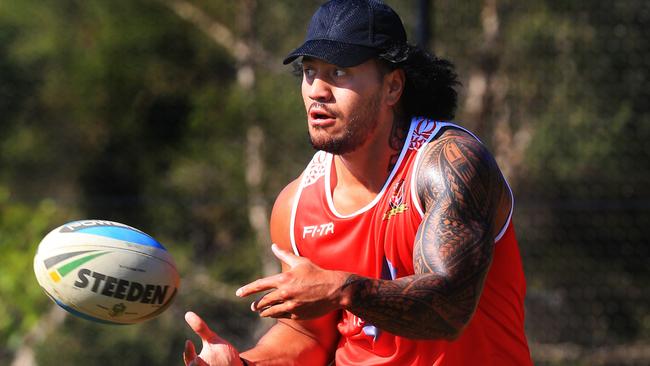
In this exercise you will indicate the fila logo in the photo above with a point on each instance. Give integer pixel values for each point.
(313, 231)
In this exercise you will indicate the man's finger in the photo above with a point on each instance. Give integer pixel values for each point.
(198, 362)
(270, 299)
(277, 311)
(287, 257)
(189, 354)
(201, 328)
(263, 284)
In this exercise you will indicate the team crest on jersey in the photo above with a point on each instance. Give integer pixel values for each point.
(422, 133)
(396, 204)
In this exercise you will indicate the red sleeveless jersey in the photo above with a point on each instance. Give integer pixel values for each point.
(377, 241)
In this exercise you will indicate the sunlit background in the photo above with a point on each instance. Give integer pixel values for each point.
(177, 117)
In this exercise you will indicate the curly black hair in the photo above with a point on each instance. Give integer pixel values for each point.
(431, 82)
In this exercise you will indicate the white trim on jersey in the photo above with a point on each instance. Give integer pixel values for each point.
(414, 192)
(292, 222)
(328, 178)
(306, 179)
(512, 209)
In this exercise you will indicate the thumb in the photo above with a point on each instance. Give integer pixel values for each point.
(201, 328)
(285, 256)
(189, 354)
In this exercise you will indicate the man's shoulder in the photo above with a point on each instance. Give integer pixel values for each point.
(283, 202)
(454, 143)
(455, 133)
(281, 214)
(288, 192)
(456, 160)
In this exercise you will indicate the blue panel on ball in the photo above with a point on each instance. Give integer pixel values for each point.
(84, 316)
(122, 233)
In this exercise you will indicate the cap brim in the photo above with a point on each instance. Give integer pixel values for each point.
(333, 52)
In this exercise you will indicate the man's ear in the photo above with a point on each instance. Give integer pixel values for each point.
(395, 81)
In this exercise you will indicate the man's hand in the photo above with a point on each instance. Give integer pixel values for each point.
(304, 291)
(215, 350)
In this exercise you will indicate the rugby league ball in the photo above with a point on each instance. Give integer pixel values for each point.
(106, 271)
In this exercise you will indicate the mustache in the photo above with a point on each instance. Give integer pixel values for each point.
(324, 107)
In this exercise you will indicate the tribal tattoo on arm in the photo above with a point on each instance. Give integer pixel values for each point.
(460, 187)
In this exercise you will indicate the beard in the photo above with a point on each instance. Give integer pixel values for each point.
(362, 123)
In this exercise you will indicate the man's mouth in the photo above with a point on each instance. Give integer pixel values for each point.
(319, 113)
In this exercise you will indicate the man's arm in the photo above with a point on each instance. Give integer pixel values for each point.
(293, 342)
(461, 188)
(288, 342)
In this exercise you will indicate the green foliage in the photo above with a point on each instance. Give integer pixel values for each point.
(110, 113)
(576, 77)
(21, 228)
(154, 342)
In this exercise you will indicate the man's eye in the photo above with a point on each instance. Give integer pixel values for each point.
(339, 73)
(308, 72)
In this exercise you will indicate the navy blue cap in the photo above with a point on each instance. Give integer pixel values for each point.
(347, 33)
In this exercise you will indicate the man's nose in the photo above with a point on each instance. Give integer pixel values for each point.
(320, 90)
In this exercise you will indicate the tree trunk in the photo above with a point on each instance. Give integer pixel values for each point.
(486, 108)
(258, 206)
(248, 54)
(423, 28)
(25, 355)
(481, 93)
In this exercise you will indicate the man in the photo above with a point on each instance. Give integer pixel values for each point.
(396, 242)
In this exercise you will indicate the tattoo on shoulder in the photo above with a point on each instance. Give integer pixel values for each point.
(460, 185)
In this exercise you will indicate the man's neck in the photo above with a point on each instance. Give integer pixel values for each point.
(361, 174)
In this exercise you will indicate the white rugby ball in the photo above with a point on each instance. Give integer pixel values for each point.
(106, 271)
